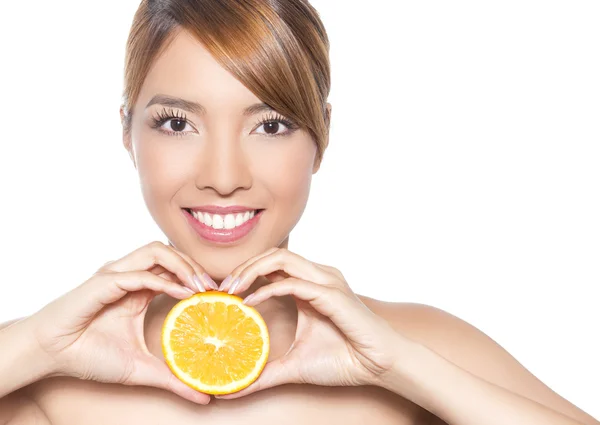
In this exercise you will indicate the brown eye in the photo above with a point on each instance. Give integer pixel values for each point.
(178, 125)
(276, 125)
(171, 123)
(271, 127)
(175, 127)
(275, 128)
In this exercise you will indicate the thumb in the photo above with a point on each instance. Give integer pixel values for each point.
(152, 372)
(276, 372)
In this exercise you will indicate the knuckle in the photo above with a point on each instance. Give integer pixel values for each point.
(280, 256)
(101, 274)
(156, 245)
(105, 266)
(332, 270)
(337, 272)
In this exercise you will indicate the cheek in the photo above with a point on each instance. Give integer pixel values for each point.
(161, 169)
(290, 181)
(287, 174)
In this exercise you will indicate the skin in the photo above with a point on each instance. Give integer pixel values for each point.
(225, 161)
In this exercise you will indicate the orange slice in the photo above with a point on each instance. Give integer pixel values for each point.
(214, 343)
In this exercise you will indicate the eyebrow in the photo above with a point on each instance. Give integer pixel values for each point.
(196, 108)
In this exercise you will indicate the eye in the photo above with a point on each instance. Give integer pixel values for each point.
(173, 123)
(274, 124)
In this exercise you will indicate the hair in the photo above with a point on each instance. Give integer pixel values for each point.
(278, 49)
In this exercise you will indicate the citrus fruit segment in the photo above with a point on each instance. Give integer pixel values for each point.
(214, 343)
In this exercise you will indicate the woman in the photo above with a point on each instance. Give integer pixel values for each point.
(226, 119)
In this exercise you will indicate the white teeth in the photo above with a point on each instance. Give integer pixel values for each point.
(228, 221)
(198, 216)
(217, 222)
(239, 219)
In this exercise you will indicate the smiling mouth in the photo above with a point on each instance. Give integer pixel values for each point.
(223, 221)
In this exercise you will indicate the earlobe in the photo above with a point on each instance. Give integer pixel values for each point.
(127, 135)
(317, 163)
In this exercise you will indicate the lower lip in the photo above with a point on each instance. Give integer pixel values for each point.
(223, 236)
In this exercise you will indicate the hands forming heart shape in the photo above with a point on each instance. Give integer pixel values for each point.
(96, 331)
(339, 341)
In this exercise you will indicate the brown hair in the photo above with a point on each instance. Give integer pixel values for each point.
(278, 49)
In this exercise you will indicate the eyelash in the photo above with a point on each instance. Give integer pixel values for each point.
(169, 114)
(291, 127)
(165, 115)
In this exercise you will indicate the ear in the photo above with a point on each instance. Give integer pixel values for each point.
(318, 161)
(127, 134)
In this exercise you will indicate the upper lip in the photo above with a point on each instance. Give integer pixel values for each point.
(216, 209)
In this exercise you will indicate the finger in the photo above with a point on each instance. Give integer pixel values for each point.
(198, 269)
(345, 310)
(157, 270)
(108, 288)
(332, 270)
(156, 253)
(277, 372)
(153, 372)
(226, 284)
(103, 289)
(287, 261)
(307, 291)
(170, 277)
(164, 273)
(276, 276)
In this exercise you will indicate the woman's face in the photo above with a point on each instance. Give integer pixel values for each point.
(218, 156)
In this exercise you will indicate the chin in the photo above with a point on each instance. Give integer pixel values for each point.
(221, 251)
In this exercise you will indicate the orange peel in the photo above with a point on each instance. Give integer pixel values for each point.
(214, 343)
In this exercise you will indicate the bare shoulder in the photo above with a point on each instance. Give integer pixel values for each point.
(10, 322)
(471, 349)
(20, 408)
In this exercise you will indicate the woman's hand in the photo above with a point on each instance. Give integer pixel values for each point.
(96, 331)
(339, 341)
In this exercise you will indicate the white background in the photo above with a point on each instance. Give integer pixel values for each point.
(463, 170)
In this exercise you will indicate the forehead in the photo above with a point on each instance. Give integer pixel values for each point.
(186, 69)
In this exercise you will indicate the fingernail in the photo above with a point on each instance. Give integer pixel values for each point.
(210, 282)
(234, 285)
(198, 284)
(224, 283)
(248, 299)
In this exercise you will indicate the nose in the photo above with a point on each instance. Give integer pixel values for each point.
(225, 166)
